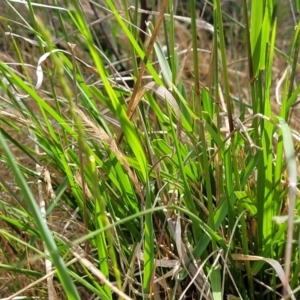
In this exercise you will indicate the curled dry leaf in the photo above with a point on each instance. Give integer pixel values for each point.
(274, 263)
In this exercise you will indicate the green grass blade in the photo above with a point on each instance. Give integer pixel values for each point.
(148, 246)
(46, 234)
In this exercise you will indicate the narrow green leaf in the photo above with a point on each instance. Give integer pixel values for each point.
(216, 283)
(255, 33)
(46, 234)
(148, 245)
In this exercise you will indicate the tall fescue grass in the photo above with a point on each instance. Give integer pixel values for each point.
(163, 182)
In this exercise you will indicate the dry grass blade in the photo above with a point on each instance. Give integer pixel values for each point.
(200, 23)
(133, 101)
(12, 297)
(164, 263)
(274, 263)
(98, 134)
(197, 274)
(98, 274)
(164, 94)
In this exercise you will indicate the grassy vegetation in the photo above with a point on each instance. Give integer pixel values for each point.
(174, 179)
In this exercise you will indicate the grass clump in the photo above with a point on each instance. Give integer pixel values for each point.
(160, 164)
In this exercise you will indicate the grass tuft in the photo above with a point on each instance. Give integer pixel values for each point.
(149, 154)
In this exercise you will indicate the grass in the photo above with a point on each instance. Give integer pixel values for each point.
(177, 178)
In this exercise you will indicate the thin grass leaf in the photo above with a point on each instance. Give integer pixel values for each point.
(292, 175)
(255, 33)
(275, 264)
(42, 227)
(148, 246)
(215, 280)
